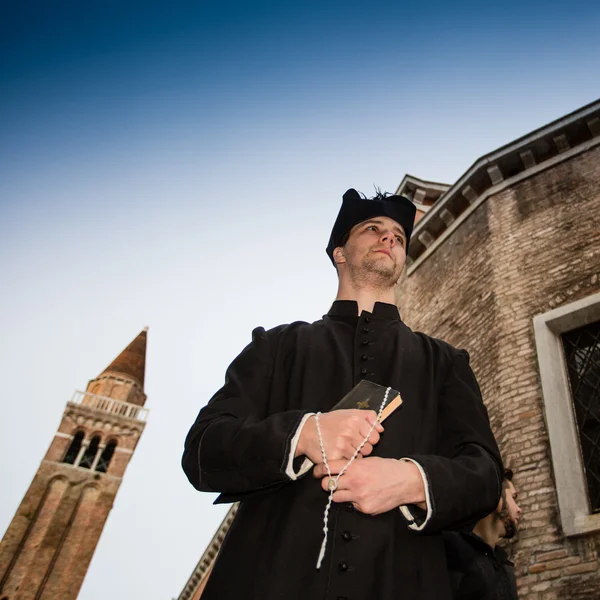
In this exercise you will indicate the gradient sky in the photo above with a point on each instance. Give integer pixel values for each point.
(180, 166)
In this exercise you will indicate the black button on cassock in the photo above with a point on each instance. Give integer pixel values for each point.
(341, 598)
(363, 371)
(364, 357)
(365, 342)
(368, 319)
(366, 329)
(343, 566)
(349, 506)
(346, 536)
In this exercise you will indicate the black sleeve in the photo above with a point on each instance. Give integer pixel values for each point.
(464, 477)
(237, 445)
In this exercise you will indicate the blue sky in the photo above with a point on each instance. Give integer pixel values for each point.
(180, 165)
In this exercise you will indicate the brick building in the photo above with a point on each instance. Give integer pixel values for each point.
(49, 544)
(505, 262)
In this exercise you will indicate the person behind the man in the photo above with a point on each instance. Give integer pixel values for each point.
(479, 568)
(433, 465)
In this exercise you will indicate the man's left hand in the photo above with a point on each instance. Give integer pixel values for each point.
(375, 485)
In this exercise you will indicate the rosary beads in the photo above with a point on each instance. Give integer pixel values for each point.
(333, 481)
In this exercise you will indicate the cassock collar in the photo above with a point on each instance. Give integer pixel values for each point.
(349, 308)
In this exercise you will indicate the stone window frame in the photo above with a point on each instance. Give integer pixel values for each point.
(571, 484)
(101, 453)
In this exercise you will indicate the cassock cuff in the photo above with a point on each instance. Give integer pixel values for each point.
(307, 464)
(411, 517)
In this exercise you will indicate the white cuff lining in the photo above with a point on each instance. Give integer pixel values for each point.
(406, 511)
(307, 464)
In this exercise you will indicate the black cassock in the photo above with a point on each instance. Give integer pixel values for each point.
(240, 442)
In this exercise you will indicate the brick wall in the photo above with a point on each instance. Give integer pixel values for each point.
(530, 248)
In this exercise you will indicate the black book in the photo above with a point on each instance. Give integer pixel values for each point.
(366, 395)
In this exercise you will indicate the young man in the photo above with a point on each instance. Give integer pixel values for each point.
(433, 465)
(479, 569)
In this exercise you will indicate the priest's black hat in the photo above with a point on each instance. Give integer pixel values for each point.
(356, 209)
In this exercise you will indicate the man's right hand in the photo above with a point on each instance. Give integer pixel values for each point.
(342, 431)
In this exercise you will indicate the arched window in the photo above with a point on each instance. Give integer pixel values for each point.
(104, 461)
(90, 453)
(74, 448)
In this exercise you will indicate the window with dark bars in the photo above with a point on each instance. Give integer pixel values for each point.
(105, 457)
(74, 448)
(90, 453)
(582, 353)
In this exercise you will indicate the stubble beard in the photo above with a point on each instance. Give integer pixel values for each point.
(510, 526)
(376, 272)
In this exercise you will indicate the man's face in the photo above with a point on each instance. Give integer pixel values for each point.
(509, 512)
(376, 247)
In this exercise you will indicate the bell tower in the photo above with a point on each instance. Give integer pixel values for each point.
(49, 544)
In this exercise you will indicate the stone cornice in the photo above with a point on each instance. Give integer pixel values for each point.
(526, 156)
(422, 193)
(208, 558)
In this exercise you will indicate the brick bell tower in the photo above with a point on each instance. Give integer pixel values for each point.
(48, 545)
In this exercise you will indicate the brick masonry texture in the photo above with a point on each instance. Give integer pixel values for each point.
(532, 247)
